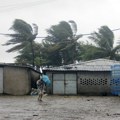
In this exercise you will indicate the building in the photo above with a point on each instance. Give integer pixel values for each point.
(90, 77)
(17, 80)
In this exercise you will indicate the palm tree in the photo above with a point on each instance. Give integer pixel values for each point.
(63, 40)
(104, 42)
(24, 34)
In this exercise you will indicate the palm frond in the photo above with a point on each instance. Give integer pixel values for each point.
(73, 26)
(103, 38)
(116, 48)
(61, 31)
(15, 48)
(107, 36)
(21, 27)
(67, 28)
(69, 46)
(16, 38)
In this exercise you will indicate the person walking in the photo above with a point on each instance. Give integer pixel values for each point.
(42, 83)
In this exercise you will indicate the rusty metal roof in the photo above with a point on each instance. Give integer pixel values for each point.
(92, 65)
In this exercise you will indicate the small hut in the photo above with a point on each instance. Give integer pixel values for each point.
(90, 77)
(17, 80)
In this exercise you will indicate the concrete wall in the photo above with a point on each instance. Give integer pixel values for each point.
(34, 75)
(89, 83)
(96, 83)
(16, 80)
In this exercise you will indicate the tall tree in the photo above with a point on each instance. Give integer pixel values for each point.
(104, 42)
(23, 34)
(89, 52)
(25, 57)
(62, 39)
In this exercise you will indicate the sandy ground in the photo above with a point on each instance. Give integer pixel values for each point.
(60, 108)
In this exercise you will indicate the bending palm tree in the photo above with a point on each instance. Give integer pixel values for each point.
(24, 34)
(104, 41)
(63, 38)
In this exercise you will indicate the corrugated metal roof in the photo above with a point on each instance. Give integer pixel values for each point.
(92, 65)
(98, 62)
(82, 68)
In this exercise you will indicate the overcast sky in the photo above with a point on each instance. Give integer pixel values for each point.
(88, 14)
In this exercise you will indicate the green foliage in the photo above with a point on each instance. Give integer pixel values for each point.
(59, 32)
(89, 52)
(26, 58)
(24, 34)
(61, 45)
(62, 42)
(104, 40)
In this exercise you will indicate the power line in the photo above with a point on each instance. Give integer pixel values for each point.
(2, 34)
(116, 29)
(85, 34)
(111, 30)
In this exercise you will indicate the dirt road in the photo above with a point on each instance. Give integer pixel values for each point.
(60, 108)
